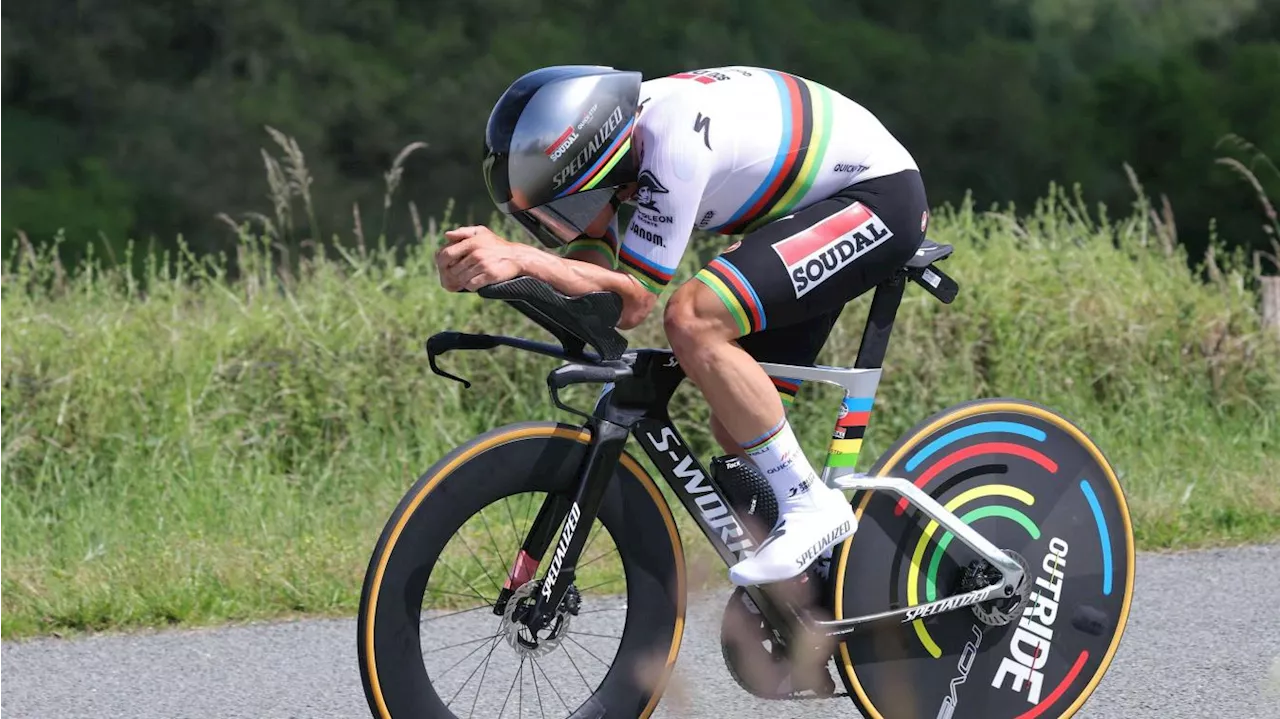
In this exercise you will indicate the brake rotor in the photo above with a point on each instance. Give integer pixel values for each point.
(536, 644)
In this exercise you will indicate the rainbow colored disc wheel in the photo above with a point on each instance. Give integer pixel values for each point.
(1033, 484)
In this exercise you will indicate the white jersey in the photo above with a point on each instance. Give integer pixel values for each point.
(730, 149)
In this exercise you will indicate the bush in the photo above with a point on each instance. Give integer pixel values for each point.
(185, 445)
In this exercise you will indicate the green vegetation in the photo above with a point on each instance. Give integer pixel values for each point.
(182, 445)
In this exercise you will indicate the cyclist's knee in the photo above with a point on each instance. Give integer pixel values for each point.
(696, 316)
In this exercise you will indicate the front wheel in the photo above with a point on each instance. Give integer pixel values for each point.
(1034, 485)
(431, 643)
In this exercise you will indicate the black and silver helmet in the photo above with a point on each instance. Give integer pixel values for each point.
(557, 145)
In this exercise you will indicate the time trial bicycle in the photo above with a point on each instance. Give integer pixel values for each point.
(536, 570)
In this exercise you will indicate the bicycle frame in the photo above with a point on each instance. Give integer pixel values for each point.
(633, 401)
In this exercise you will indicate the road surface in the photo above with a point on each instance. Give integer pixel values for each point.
(1200, 643)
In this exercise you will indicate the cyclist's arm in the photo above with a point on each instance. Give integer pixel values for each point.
(576, 277)
(675, 171)
(598, 248)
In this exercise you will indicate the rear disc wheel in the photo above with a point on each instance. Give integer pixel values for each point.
(1038, 488)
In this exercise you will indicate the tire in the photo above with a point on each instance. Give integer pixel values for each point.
(1031, 482)
(519, 458)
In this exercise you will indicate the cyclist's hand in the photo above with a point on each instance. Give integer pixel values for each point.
(474, 257)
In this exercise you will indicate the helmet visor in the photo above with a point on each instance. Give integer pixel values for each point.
(562, 221)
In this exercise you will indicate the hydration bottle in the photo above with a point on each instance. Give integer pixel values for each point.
(748, 492)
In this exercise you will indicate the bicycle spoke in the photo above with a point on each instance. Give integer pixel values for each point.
(507, 700)
(591, 538)
(598, 584)
(460, 594)
(597, 558)
(528, 509)
(468, 582)
(588, 651)
(460, 611)
(622, 608)
(538, 666)
(506, 501)
(461, 644)
(520, 695)
(590, 634)
(497, 550)
(541, 712)
(480, 684)
(576, 669)
(472, 674)
(474, 556)
(463, 659)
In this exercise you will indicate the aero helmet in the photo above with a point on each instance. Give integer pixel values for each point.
(557, 146)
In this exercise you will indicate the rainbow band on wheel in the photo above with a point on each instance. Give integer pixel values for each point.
(946, 462)
(917, 557)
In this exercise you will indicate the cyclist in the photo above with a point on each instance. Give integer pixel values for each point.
(829, 202)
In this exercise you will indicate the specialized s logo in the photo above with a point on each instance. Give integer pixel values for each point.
(702, 124)
(648, 189)
(814, 255)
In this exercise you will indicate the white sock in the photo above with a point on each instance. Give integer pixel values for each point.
(778, 456)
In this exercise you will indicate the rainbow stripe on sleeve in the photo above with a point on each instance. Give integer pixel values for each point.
(652, 275)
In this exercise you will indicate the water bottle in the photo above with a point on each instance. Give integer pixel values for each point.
(748, 492)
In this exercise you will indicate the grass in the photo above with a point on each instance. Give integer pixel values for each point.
(181, 446)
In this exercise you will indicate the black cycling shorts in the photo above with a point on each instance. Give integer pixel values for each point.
(786, 283)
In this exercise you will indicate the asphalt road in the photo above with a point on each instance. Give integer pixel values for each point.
(1199, 644)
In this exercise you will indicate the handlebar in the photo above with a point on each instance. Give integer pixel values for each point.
(443, 342)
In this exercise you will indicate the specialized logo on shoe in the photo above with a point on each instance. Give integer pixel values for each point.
(814, 255)
(813, 552)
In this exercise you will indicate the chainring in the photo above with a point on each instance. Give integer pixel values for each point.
(763, 665)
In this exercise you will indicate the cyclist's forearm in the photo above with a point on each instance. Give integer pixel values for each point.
(578, 277)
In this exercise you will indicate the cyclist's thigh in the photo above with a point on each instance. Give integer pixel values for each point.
(813, 262)
(794, 344)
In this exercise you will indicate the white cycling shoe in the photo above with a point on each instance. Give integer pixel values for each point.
(797, 540)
